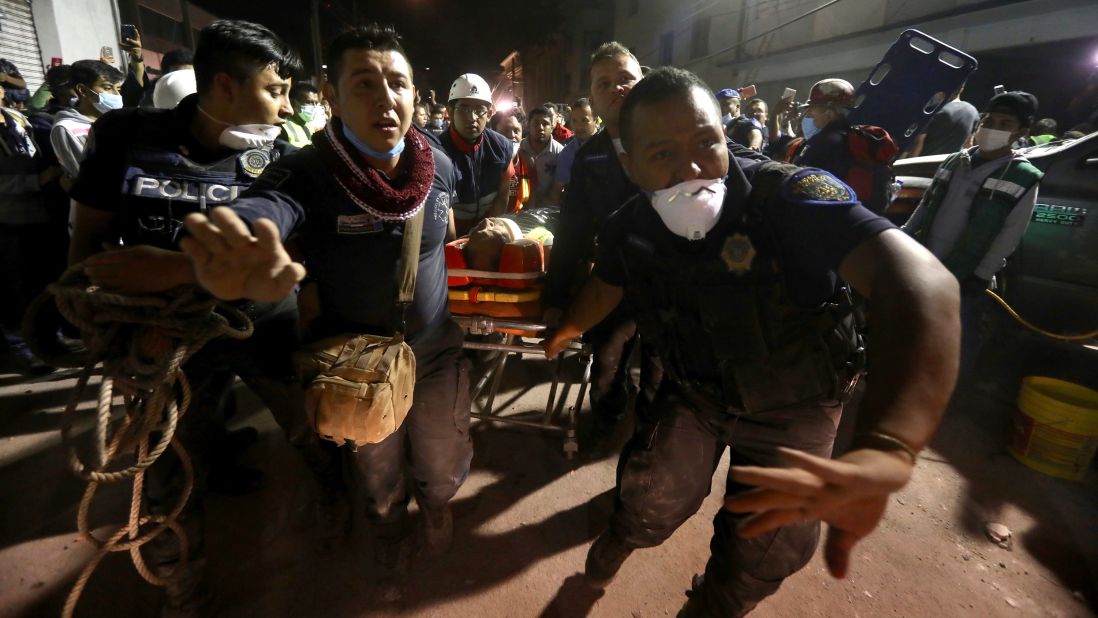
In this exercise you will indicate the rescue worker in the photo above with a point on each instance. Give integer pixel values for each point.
(348, 198)
(481, 156)
(738, 285)
(825, 127)
(827, 144)
(305, 101)
(143, 171)
(978, 207)
(598, 186)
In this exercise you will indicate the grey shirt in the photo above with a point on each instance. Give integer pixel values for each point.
(949, 128)
(546, 165)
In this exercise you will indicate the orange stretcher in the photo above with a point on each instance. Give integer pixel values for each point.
(501, 311)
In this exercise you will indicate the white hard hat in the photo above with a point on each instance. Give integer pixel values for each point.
(173, 87)
(470, 86)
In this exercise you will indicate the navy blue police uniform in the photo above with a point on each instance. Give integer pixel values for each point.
(354, 258)
(480, 169)
(145, 166)
(758, 352)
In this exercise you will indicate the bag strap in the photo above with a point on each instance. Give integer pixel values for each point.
(409, 262)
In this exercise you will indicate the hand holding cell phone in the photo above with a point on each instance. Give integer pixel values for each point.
(106, 54)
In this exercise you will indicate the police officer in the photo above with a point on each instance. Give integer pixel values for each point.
(481, 156)
(598, 187)
(738, 287)
(144, 170)
(347, 198)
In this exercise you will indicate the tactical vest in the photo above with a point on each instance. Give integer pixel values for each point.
(479, 175)
(161, 187)
(998, 196)
(723, 324)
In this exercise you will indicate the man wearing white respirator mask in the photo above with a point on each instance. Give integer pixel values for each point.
(739, 286)
(978, 207)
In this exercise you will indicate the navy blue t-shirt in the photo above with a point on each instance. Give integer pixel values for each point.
(813, 236)
(353, 256)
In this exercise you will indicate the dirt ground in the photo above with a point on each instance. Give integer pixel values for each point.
(526, 516)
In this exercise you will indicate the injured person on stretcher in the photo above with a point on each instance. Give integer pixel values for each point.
(484, 244)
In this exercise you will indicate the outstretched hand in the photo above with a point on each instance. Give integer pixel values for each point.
(231, 263)
(850, 494)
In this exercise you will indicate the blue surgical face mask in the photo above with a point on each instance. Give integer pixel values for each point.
(107, 102)
(392, 153)
(727, 118)
(310, 111)
(808, 127)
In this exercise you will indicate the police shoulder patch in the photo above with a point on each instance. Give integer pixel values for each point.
(813, 185)
(254, 161)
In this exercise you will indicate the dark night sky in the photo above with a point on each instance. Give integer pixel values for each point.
(449, 36)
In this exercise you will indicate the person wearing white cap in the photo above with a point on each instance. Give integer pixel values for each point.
(482, 156)
(173, 87)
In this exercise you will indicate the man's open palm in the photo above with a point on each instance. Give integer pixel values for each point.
(231, 263)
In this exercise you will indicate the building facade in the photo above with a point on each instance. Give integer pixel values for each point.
(793, 43)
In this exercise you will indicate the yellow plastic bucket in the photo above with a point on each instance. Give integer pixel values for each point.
(1055, 427)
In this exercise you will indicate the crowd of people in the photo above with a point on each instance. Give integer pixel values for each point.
(723, 239)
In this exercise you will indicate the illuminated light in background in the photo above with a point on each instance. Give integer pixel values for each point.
(504, 105)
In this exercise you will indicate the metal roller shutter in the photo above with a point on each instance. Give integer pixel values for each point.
(19, 40)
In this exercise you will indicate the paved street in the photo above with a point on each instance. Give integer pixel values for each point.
(524, 521)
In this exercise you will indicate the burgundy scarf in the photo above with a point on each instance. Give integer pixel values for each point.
(366, 186)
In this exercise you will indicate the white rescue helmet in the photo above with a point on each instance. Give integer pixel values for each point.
(470, 86)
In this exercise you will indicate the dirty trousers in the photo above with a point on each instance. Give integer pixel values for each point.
(612, 342)
(265, 363)
(666, 471)
(433, 443)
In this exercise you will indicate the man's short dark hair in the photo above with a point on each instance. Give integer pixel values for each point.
(660, 85)
(300, 89)
(381, 38)
(438, 108)
(241, 49)
(581, 102)
(609, 50)
(59, 76)
(87, 72)
(175, 59)
(541, 110)
(515, 112)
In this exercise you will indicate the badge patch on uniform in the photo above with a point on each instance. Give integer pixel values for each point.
(358, 224)
(254, 161)
(818, 186)
(738, 253)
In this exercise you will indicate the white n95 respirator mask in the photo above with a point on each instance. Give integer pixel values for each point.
(690, 209)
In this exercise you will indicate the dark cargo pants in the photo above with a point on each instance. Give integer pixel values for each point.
(433, 442)
(265, 363)
(666, 471)
(612, 342)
